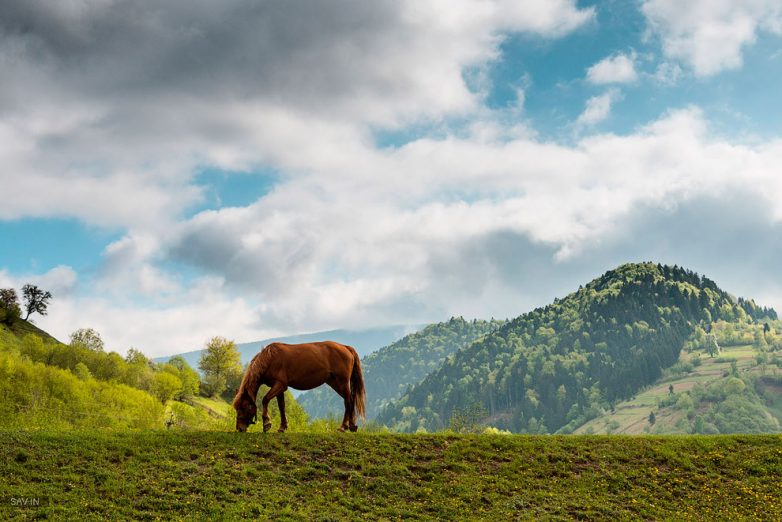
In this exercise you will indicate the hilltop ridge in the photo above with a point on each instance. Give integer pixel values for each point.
(553, 368)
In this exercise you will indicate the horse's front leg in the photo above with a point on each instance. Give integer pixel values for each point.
(281, 407)
(275, 390)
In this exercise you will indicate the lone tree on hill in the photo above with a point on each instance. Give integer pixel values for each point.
(9, 306)
(652, 418)
(35, 300)
(221, 365)
(87, 338)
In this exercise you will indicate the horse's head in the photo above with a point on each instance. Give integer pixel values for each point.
(246, 411)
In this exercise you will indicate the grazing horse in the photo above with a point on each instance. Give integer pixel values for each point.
(301, 366)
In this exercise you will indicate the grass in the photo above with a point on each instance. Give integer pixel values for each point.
(212, 475)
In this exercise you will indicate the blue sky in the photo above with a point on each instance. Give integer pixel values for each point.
(290, 169)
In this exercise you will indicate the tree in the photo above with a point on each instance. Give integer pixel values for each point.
(190, 380)
(220, 363)
(670, 389)
(652, 418)
(711, 345)
(9, 306)
(35, 300)
(87, 338)
(166, 386)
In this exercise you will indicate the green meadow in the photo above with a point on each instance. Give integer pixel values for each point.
(174, 474)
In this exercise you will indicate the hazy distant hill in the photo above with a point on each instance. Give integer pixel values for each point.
(553, 368)
(389, 371)
(364, 341)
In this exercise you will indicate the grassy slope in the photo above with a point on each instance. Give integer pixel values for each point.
(325, 477)
(632, 415)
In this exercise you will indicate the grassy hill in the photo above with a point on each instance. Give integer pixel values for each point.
(45, 384)
(167, 475)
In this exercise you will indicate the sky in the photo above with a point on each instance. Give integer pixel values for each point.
(174, 171)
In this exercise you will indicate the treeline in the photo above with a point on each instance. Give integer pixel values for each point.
(556, 367)
(389, 371)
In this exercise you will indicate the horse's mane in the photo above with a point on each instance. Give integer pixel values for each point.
(255, 370)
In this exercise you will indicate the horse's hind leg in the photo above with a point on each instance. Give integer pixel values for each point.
(347, 420)
(281, 407)
(343, 391)
(275, 390)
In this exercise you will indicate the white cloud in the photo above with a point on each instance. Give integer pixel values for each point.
(709, 35)
(199, 312)
(356, 240)
(106, 113)
(619, 68)
(598, 108)
(668, 73)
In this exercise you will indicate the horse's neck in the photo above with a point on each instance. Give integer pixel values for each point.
(254, 384)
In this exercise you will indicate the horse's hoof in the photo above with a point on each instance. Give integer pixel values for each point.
(267, 427)
(341, 429)
(281, 430)
(354, 429)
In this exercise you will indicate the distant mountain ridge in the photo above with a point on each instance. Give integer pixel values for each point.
(546, 370)
(365, 341)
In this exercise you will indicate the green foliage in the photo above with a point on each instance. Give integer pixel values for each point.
(189, 377)
(82, 372)
(389, 371)
(9, 306)
(538, 372)
(221, 366)
(727, 405)
(36, 396)
(468, 420)
(166, 386)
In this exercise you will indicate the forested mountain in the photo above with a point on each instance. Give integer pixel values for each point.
(549, 369)
(389, 371)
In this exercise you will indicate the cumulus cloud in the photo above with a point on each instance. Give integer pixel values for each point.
(709, 35)
(107, 108)
(598, 108)
(619, 68)
(325, 249)
(60, 280)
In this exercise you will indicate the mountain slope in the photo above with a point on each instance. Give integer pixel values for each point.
(389, 371)
(738, 390)
(364, 341)
(550, 369)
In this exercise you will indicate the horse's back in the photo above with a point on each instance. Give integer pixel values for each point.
(307, 365)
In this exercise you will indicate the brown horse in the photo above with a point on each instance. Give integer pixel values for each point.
(300, 366)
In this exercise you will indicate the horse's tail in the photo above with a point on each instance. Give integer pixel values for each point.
(357, 391)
